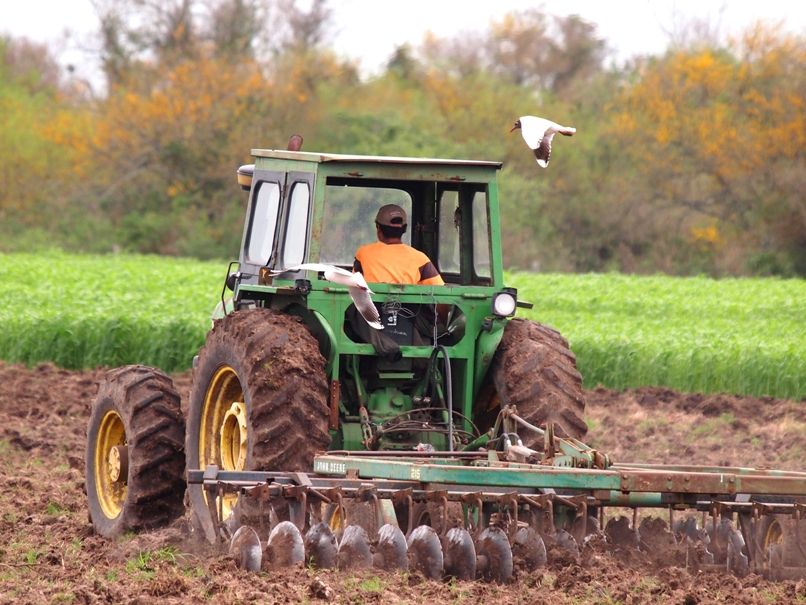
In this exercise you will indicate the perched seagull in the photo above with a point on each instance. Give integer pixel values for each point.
(538, 132)
(356, 284)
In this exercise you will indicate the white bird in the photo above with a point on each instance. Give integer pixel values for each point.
(356, 284)
(538, 132)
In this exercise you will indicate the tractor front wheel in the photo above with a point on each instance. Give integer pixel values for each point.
(781, 542)
(259, 401)
(535, 370)
(135, 459)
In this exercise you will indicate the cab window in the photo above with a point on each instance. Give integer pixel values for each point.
(449, 251)
(263, 223)
(297, 228)
(481, 236)
(350, 218)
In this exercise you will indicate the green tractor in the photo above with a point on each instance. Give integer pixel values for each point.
(287, 370)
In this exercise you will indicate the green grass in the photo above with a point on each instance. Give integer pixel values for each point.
(146, 562)
(87, 311)
(54, 508)
(745, 336)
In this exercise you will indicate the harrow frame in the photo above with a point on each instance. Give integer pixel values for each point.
(540, 493)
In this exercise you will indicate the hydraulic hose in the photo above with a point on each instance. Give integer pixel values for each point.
(448, 394)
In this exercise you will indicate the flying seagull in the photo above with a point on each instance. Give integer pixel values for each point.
(538, 132)
(356, 284)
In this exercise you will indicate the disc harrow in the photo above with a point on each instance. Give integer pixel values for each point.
(504, 507)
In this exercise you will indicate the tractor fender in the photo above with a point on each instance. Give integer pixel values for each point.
(486, 345)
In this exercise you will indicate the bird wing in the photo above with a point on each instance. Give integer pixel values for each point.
(363, 302)
(543, 151)
(331, 272)
(319, 267)
(538, 133)
(356, 285)
(533, 129)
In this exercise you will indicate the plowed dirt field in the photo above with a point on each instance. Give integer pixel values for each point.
(49, 554)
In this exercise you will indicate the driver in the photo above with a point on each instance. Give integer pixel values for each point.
(391, 261)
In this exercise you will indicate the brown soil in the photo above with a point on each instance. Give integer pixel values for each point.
(49, 554)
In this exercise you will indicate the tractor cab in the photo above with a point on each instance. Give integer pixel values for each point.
(309, 207)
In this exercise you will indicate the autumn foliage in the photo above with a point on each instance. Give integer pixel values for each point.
(690, 162)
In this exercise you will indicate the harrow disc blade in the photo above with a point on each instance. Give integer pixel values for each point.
(425, 552)
(354, 550)
(736, 560)
(285, 547)
(562, 547)
(528, 549)
(391, 553)
(583, 527)
(321, 549)
(620, 533)
(459, 554)
(658, 542)
(494, 555)
(727, 545)
(245, 549)
(697, 541)
(687, 529)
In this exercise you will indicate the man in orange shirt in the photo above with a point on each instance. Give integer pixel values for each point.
(391, 261)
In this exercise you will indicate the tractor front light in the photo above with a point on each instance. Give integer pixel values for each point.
(504, 302)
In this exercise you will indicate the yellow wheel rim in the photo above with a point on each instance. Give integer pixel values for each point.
(233, 437)
(337, 520)
(111, 466)
(774, 535)
(223, 428)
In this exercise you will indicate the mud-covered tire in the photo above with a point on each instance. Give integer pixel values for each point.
(777, 530)
(268, 364)
(535, 370)
(137, 413)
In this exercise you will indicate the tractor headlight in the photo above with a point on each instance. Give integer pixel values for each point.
(504, 302)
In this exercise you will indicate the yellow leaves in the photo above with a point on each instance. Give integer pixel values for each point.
(701, 72)
(733, 115)
(188, 96)
(663, 134)
(708, 235)
(175, 190)
(625, 122)
(445, 91)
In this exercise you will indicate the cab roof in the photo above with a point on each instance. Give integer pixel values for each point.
(314, 156)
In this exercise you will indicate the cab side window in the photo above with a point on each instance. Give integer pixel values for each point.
(449, 249)
(265, 209)
(297, 227)
(481, 237)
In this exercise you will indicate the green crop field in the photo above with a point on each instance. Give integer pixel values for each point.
(89, 311)
(744, 336)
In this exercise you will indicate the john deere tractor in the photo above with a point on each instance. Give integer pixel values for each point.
(289, 370)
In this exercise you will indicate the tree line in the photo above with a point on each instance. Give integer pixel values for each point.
(685, 163)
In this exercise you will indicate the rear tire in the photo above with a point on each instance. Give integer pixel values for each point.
(535, 370)
(776, 532)
(259, 401)
(135, 460)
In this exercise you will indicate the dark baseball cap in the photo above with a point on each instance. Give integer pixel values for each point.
(391, 215)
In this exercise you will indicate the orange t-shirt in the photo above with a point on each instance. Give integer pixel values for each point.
(396, 264)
